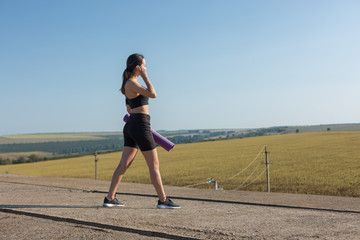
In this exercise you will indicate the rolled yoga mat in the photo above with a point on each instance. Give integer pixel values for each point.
(162, 141)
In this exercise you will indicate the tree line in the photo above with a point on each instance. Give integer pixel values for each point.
(115, 143)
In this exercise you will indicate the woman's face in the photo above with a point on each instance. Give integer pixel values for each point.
(143, 63)
(142, 66)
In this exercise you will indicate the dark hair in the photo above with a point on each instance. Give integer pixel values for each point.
(131, 63)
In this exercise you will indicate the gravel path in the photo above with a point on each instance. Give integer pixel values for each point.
(55, 208)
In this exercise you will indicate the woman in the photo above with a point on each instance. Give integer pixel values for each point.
(137, 132)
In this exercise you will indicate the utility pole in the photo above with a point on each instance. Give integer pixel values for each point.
(267, 162)
(216, 185)
(96, 160)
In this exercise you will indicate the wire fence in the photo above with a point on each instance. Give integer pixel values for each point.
(244, 183)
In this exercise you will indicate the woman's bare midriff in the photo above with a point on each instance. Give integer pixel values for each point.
(142, 109)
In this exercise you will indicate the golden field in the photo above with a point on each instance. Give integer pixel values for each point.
(52, 137)
(326, 163)
(16, 155)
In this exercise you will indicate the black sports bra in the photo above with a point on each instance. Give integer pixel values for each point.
(138, 101)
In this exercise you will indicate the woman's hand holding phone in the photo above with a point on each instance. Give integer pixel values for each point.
(142, 72)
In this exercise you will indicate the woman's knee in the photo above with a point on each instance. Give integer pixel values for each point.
(121, 169)
(154, 173)
(126, 159)
(154, 165)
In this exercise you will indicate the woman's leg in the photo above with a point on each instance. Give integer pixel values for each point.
(152, 161)
(127, 158)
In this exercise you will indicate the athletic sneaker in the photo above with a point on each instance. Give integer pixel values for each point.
(167, 204)
(112, 203)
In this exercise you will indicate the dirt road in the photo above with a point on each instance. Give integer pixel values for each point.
(57, 208)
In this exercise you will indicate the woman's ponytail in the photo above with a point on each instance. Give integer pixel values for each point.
(126, 75)
(132, 61)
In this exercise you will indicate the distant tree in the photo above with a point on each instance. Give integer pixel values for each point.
(6, 161)
(20, 160)
(297, 131)
(328, 129)
(193, 131)
(33, 158)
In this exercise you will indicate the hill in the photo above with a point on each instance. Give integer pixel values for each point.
(324, 163)
(29, 147)
(324, 127)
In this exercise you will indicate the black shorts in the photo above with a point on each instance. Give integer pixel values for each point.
(137, 132)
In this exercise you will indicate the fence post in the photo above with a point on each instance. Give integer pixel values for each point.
(96, 160)
(267, 169)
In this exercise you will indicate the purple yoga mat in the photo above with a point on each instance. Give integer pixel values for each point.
(162, 141)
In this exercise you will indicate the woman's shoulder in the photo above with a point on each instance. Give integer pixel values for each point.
(131, 82)
(129, 89)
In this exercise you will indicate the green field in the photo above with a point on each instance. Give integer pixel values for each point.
(325, 163)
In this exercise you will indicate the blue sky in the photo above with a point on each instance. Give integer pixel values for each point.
(214, 64)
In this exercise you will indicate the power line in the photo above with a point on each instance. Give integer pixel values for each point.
(250, 174)
(241, 186)
(237, 174)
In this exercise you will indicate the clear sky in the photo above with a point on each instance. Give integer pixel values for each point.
(214, 64)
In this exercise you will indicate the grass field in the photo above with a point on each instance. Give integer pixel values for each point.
(51, 137)
(325, 163)
(16, 155)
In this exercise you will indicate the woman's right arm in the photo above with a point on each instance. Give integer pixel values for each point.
(137, 88)
(149, 91)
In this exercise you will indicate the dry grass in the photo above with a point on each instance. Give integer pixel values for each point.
(325, 163)
(56, 137)
(16, 155)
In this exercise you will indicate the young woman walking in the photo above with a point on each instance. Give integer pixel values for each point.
(137, 132)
